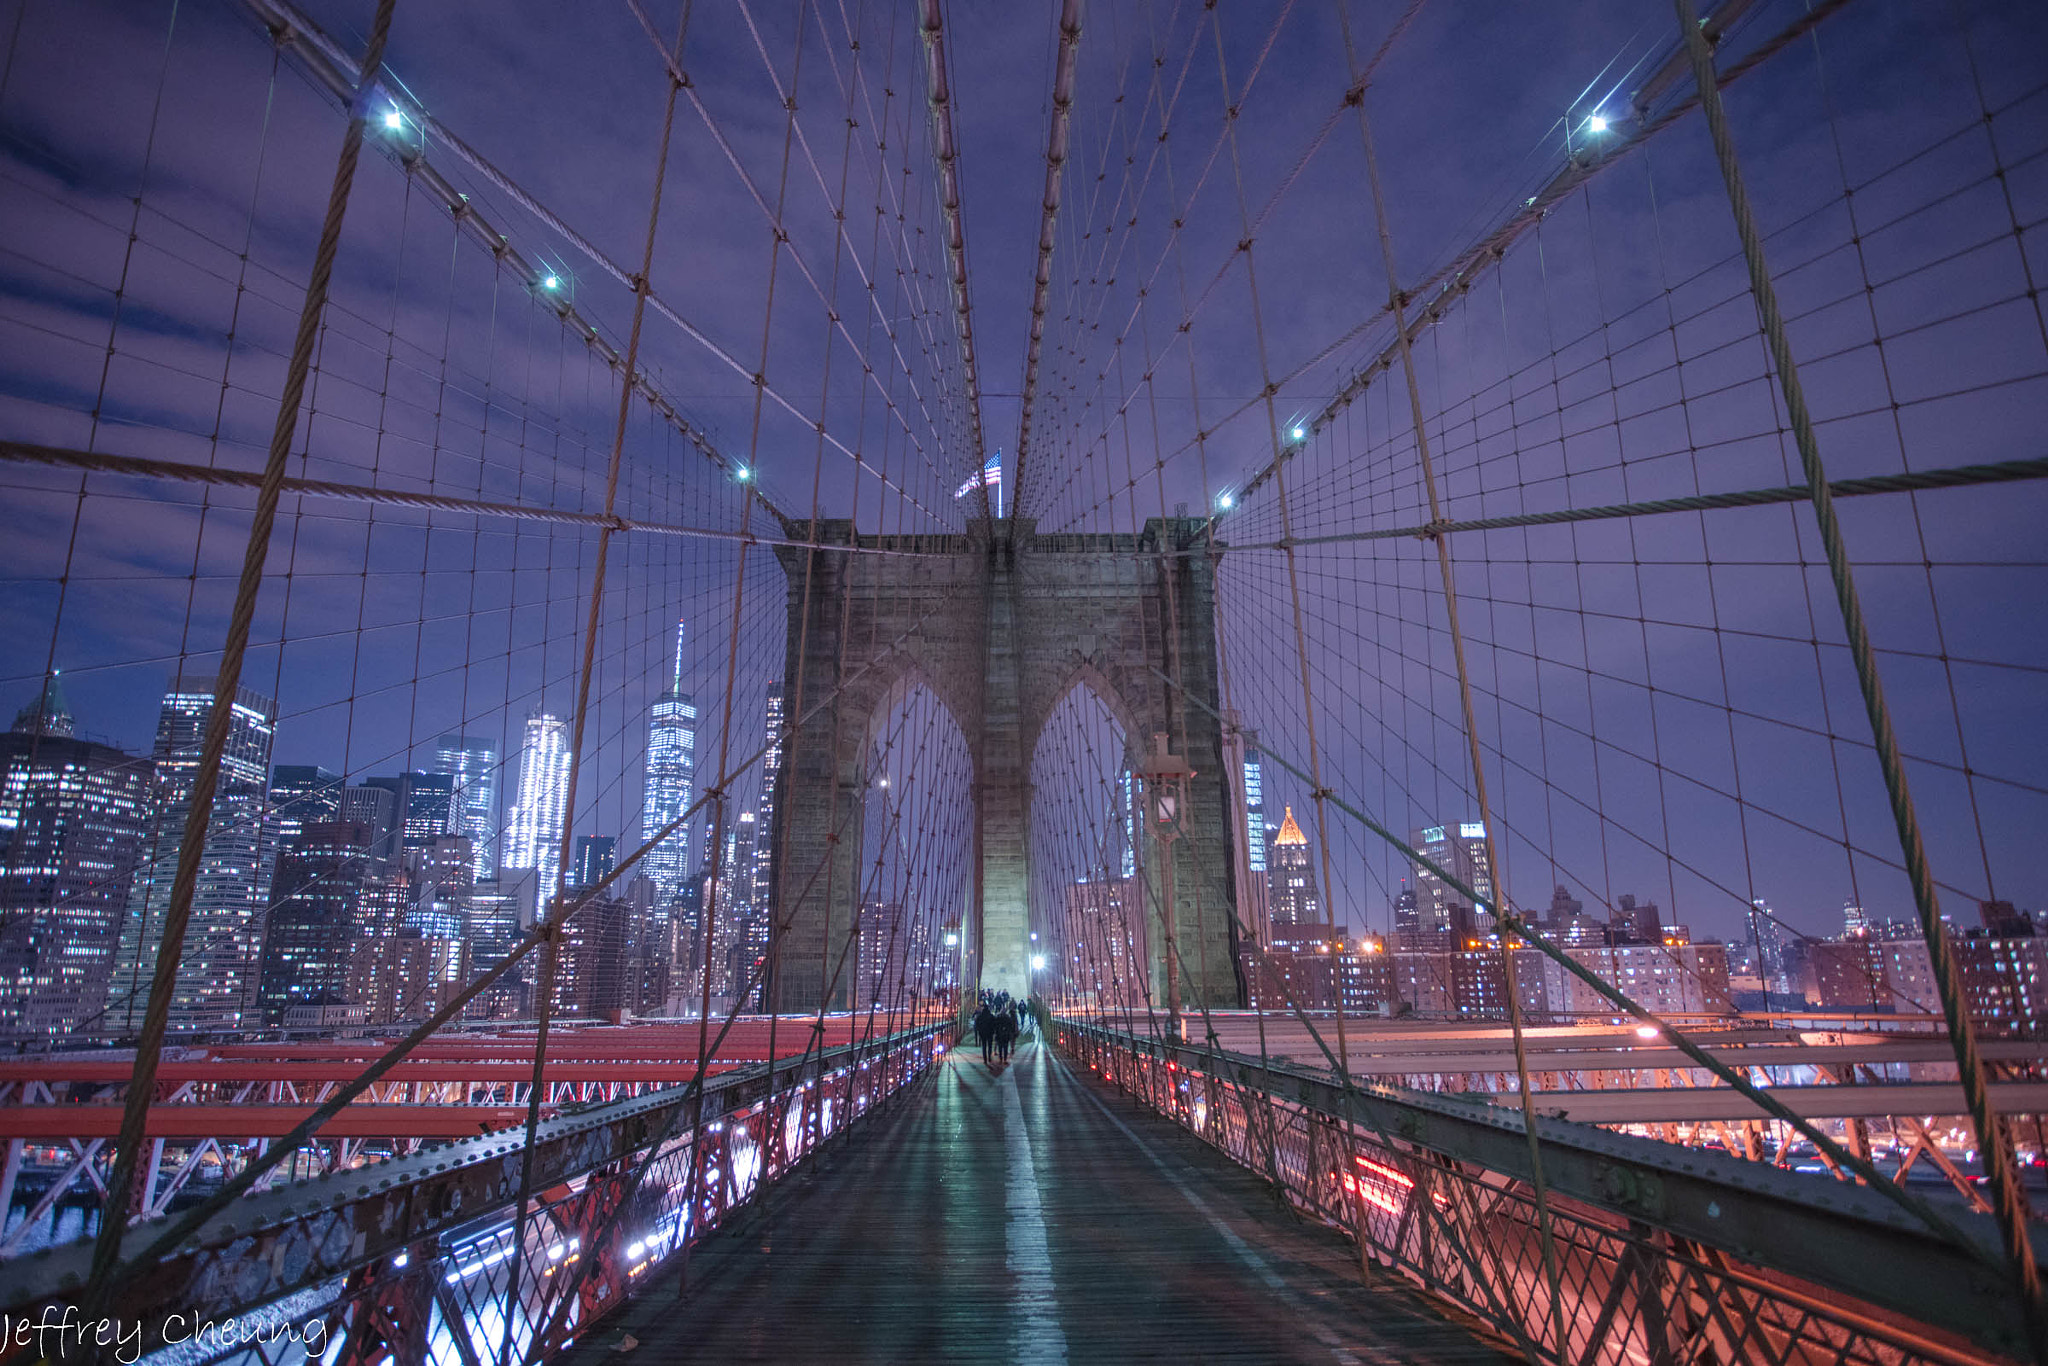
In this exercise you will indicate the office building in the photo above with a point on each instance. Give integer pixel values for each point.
(302, 795)
(220, 960)
(533, 837)
(1300, 920)
(1106, 949)
(424, 810)
(595, 857)
(472, 761)
(74, 816)
(1445, 915)
(312, 925)
(670, 785)
(1635, 922)
(376, 807)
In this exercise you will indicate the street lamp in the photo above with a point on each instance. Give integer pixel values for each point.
(1166, 785)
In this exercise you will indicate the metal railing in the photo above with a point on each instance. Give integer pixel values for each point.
(413, 1260)
(1666, 1254)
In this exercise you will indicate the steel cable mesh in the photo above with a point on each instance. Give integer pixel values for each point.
(429, 586)
(1635, 697)
(1658, 683)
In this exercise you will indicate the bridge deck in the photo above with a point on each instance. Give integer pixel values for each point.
(1027, 1215)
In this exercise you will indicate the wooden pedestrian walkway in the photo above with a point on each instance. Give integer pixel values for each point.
(1024, 1214)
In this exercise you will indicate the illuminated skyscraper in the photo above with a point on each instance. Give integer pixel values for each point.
(1126, 824)
(302, 795)
(671, 782)
(73, 818)
(1254, 813)
(595, 857)
(1299, 917)
(424, 811)
(1441, 910)
(222, 954)
(312, 925)
(472, 761)
(533, 837)
(1855, 923)
(1768, 947)
(764, 837)
(376, 807)
(1107, 957)
(1257, 911)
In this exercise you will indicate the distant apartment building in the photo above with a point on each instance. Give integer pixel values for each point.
(1471, 984)
(1666, 979)
(2004, 977)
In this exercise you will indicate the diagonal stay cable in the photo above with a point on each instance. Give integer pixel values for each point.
(1055, 165)
(2009, 1198)
(1455, 279)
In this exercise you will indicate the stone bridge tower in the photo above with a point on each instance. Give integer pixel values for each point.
(1000, 628)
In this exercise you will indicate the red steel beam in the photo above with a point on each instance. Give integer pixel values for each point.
(235, 1122)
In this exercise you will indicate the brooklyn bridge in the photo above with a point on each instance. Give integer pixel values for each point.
(1426, 603)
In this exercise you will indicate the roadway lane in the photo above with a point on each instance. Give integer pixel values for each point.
(1023, 1214)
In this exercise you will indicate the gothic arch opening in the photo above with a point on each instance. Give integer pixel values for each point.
(903, 950)
(1088, 907)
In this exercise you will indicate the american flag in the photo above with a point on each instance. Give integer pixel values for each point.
(991, 476)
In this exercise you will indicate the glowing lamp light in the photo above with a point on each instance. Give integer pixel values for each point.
(1301, 433)
(952, 941)
(1038, 962)
(1646, 1031)
(551, 282)
(393, 120)
(1596, 124)
(1226, 502)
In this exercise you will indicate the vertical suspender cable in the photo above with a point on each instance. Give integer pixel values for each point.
(1397, 302)
(1048, 226)
(551, 946)
(149, 1049)
(1999, 1167)
(778, 236)
(946, 152)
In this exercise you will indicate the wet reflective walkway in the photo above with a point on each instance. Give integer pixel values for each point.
(1022, 1214)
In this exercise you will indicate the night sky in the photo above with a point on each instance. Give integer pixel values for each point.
(1665, 703)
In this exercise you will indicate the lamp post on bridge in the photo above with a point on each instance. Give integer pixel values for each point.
(1166, 786)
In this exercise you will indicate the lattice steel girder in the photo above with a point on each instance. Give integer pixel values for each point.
(1821, 1230)
(296, 1236)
